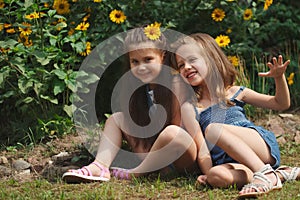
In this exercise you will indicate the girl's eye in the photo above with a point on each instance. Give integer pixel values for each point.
(148, 59)
(134, 62)
(180, 66)
(191, 60)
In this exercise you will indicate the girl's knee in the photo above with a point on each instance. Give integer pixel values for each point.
(169, 133)
(177, 136)
(211, 128)
(219, 178)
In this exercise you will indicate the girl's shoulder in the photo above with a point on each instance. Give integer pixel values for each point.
(238, 92)
(233, 90)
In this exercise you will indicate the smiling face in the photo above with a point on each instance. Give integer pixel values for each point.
(146, 64)
(191, 65)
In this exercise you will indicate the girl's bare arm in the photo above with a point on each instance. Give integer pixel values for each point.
(281, 99)
(193, 128)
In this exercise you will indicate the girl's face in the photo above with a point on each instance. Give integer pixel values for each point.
(146, 64)
(191, 65)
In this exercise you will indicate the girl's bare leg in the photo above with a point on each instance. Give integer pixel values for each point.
(173, 145)
(241, 144)
(229, 174)
(110, 143)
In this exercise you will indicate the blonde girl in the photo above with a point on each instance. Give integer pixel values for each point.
(240, 151)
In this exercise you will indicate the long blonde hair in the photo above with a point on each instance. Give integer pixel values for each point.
(221, 73)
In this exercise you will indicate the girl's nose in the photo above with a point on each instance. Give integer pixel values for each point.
(142, 67)
(187, 66)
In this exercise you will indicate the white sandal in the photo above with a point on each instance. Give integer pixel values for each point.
(267, 185)
(288, 176)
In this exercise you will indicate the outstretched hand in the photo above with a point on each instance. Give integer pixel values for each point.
(277, 68)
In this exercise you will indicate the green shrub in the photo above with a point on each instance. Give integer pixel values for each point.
(43, 43)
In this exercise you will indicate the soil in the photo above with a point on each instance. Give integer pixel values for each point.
(50, 160)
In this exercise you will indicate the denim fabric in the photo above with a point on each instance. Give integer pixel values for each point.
(234, 115)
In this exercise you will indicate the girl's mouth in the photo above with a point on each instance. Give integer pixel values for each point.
(191, 74)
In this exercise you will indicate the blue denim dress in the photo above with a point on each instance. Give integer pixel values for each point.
(233, 115)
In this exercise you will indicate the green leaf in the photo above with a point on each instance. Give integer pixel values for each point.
(59, 87)
(71, 84)
(8, 44)
(51, 12)
(4, 73)
(28, 3)
(60, 74)
(43, 61)
(80, 73)
(24, 85)
(19, 62)
(28, 100)
(7, 94)
(69, 110)
(38, 88)
(92, 78)
(79, 47)
(41, 57)
(55, 101)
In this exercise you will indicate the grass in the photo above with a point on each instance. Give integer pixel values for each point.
(141, 188)
(179, 188)
(153, 187)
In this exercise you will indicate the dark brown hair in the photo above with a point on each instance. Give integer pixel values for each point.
(138, 104)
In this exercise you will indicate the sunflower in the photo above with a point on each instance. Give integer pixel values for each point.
(86, 17)
(10, 30)
(228, 31)
(248, 14)
(25, 29)
(6, 25)
(25, 40)
(291, 78)
(2, 4)
(3, 50)
(71, 31)
(218, 14)
(152, 31)
(88, 49)
(268, 3)
(97, 1)
(223, 40)
(61, 6)
(234, 60)
(117, 16)
(33, 15)
(83, 26)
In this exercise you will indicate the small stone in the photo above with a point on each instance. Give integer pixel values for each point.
(3, 160)
(20, 165)
(61, 157)
(4, 171)
(286, 115)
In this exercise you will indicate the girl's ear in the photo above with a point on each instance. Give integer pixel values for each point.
(163, 54)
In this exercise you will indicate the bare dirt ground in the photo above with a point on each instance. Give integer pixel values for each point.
(52, 159)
